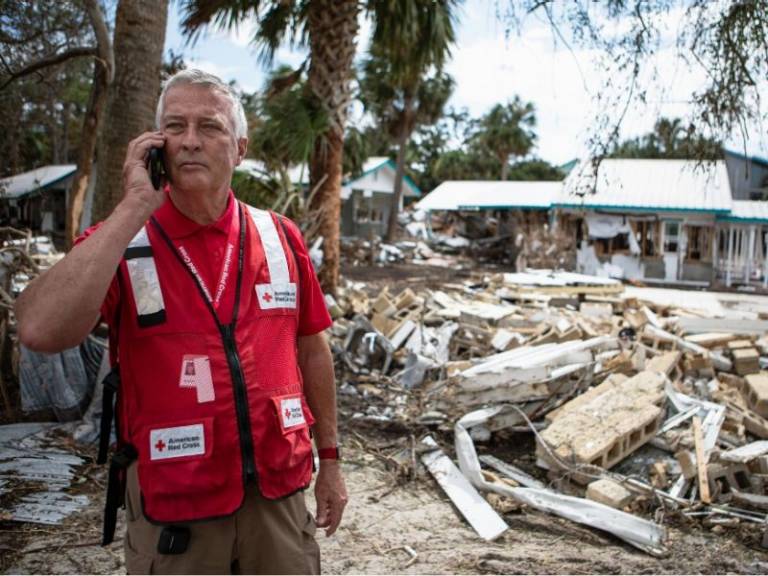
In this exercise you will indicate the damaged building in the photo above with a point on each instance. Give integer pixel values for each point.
(656, 221)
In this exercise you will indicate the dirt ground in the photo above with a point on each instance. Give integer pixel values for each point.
(385, 515)
(388, 519)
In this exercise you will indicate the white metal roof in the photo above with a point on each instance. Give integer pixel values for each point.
(483, 194)
(632, 184)
(39, 178)
(257, 169)
(747, 210)
(373, 162)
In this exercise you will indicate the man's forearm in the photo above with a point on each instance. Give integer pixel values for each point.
(60, 307)
(316, 364)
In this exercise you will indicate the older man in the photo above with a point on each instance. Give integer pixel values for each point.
(216, 323)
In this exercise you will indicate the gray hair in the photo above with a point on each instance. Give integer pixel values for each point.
(195, 76)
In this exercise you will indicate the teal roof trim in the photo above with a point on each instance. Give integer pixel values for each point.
(737, 220)
(642, 208)
(392, 165)
(502, 207)
(756, 159)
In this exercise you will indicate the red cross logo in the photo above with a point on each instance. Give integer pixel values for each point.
(160, 445)
(268, 297)
(287, 413)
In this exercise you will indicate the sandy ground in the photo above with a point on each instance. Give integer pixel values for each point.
(385, 516)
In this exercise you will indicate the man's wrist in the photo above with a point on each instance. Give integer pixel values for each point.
(331, 453)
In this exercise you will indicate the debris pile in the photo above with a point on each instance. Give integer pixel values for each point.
(522, 239)
(638, 399)
(22, 257)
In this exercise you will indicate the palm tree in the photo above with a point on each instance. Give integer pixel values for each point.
(410, 39)
(507, 130)
(331, 28)
(667, 135)
(399, 110)
(138, 46)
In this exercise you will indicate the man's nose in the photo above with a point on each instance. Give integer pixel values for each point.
(191, 140)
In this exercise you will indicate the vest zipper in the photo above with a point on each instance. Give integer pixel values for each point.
(241, 401)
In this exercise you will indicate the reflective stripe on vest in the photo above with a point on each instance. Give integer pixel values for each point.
(280, 292)
(150, 307)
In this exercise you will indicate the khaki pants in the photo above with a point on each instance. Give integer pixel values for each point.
(263, 537)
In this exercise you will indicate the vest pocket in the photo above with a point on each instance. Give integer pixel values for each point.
(288, 433)
(175, 458)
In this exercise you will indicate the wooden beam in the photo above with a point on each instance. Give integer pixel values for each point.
(701, 463)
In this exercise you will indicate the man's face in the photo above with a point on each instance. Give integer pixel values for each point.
(201, 148)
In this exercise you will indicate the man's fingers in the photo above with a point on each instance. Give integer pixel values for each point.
(139, 146)
(335, 514)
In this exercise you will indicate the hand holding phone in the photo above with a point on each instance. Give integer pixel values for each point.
(156, 166)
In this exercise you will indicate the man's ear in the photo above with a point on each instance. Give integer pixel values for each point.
(242, 147)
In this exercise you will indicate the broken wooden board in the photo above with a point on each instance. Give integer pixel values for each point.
(480, 515)
(664, 363)
(701, 462)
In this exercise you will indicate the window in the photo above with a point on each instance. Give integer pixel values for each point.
(671, 236)
(645, 234)
(699, 243)
(366, 211)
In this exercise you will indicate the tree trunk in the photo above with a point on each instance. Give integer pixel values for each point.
(332, 32)
(138, 48)
(397, 196)
(505, 168)
(103, 71)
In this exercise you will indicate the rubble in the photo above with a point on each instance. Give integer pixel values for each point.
(638, 403)
(598, 372)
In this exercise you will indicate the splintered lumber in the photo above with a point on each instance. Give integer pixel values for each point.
(701, 462)
(664, 363)
(711, 339)
(480, 515)
(613, 421)
(720, 362)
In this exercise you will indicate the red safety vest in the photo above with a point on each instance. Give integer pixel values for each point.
(210, 407)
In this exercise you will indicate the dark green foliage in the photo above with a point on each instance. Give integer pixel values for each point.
(669, 139)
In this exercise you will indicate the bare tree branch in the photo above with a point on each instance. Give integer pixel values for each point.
(51, 60)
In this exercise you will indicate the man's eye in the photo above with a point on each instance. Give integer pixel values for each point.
(173, 126)
(211, 127)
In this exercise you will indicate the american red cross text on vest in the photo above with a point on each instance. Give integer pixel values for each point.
(160, 445)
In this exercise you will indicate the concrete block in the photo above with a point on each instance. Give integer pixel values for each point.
(383, 305)
(756, 393)
(610, 493)
(725, 478)
(746, 361)
(606, 424)
(737, 344)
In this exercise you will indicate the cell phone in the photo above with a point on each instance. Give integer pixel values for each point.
(156, 165)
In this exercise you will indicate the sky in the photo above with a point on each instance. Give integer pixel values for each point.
(491, 64)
